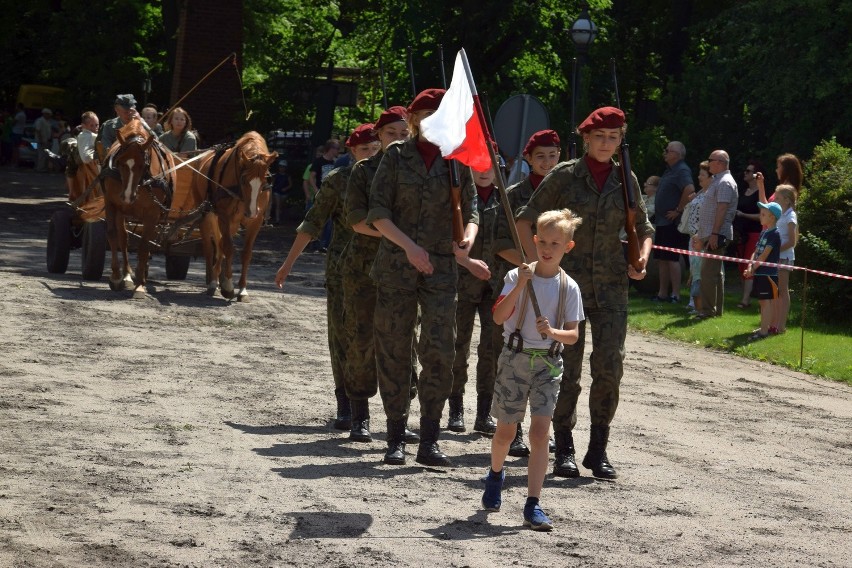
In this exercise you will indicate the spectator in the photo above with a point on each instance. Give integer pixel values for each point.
(788, 231)
(714, 231)
(690, 216)
(648, 196)
(766, 277)
(674, 192)
(747, 225)
(788, 168)
(43, 135)
(18, 126)
(179, 137)
(281, 184)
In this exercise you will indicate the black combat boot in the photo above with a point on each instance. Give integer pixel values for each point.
(484, 423)
(343, 421)
(456, 421)
(411, 437)
(518, 449)
(396, 442)
(596, 459)
(360, 431)
(428, 452)
(564, 464)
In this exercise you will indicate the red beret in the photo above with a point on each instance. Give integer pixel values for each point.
(393, 114)
(604, 117)
(363, 134)
(427, 100)
(542, 138)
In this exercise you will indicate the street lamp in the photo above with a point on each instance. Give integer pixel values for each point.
(583, 33)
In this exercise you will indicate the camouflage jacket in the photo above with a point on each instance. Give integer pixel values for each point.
(328, 204)
(518, 195)
(362, 250)
(471, 288)
(418, 203)
(597, 262)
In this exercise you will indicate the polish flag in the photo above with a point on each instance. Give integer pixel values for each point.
(455, 127)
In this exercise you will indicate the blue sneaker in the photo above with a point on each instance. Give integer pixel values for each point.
(535, 518)
(491, 498)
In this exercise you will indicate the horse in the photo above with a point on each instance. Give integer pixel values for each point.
(236, 178)
(137, 181)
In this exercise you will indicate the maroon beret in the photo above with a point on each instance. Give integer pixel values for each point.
(427, 100)
(393, 114)
(363, 134)
(604, 117)
(542, 138)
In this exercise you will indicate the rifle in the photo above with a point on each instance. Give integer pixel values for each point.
(382, 75)
(572, 146)
(455, 182)
(411, 73)
(628, 192)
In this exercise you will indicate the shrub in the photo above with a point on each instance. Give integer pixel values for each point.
(825, 224)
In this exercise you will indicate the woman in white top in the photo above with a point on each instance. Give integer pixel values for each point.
(788, 230)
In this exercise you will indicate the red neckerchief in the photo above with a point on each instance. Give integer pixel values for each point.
(428, 152)
(484, 193)
(535, 179)
(600, 170)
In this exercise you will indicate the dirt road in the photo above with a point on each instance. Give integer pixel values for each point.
(183, 430)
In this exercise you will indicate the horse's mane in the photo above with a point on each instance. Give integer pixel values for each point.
(133, 128)
(251, 145)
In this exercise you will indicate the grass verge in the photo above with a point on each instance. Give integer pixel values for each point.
(827, 349)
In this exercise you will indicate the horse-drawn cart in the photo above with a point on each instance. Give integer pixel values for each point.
(82, 225)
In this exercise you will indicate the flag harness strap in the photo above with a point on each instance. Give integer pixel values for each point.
(516, 342)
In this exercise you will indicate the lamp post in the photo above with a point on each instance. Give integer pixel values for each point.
(583, 32)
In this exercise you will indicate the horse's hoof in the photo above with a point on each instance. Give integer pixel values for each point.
(243, 298)
(227, 294)
(116, 285)
(139, 294)
(211, 291)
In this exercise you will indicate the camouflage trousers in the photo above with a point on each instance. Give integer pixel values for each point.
(394, 326)
(486, 363)
(359, 297)
(337, 334)
(606, 365)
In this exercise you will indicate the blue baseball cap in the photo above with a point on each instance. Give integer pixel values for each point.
(773, 208)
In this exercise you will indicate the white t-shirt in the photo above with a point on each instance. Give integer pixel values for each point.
(783, 224)
(547, 294)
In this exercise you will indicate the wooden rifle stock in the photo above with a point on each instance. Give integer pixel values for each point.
(629, 209)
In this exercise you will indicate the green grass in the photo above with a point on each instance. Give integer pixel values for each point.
(827, 349)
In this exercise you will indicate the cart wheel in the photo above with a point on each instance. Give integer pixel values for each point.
(94, 250)
(59, 241)
(177, 267)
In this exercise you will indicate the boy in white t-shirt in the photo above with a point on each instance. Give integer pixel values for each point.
(529, 368)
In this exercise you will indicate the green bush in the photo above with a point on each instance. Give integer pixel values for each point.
(825, 224)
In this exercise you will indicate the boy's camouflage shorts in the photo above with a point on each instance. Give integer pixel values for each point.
(517, 383)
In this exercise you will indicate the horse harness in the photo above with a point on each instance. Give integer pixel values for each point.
(220, 191)
(148, 181)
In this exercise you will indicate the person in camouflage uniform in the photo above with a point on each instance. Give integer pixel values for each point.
(359, 290)
(542, 154)
(591, 188)
(416, 266)
(476, 296)
(329, 204)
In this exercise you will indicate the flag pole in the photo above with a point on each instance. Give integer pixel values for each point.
(498, 177)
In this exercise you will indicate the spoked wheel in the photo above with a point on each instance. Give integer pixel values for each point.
(177, 267)
(59, 241)
(94, 250)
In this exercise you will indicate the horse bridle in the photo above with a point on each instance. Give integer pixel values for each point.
(148, 180)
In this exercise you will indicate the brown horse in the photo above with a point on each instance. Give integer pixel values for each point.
(138, 182)
(237, 188)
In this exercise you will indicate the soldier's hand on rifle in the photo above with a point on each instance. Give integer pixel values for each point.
(419, 259)
(637, 274)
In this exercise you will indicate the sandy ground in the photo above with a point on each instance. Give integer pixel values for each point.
(182, 430)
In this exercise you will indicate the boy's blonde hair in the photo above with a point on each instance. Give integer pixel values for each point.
(788, 192)
(563, 219)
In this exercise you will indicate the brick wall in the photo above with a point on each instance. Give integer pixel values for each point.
(208, 31)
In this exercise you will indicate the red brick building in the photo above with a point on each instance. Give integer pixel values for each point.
(208, 31)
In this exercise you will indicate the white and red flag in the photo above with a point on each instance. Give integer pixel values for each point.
(455, 127)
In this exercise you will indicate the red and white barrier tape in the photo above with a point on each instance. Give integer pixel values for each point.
(746, 261)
